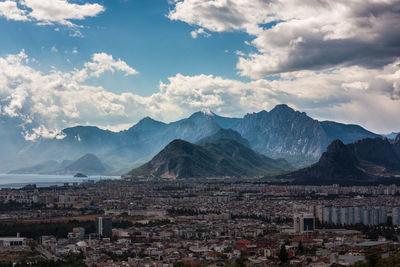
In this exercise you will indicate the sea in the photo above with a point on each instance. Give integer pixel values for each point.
(16, 181)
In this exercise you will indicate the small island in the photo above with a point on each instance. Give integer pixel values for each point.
(80, 175)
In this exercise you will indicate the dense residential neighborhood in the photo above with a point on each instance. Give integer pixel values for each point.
(206, 222)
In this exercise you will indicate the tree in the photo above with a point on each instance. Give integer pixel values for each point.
(300, 249)
(283, 255)
(373, 258)
(241, 261)
(179, 264)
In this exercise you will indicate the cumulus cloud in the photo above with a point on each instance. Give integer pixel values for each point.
(11, 11)
(49, 12)
(56, 99)
(60, 11)
(297, 35)
(100, 63)
(221, 15)
(49, 102)
(198, 32)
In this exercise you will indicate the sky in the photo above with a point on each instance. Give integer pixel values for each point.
(110, 63)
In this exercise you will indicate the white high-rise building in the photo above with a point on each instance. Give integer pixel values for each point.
(104, 225)
(357, 214)
(396, 216)
(326, 215)
(334, 215)
(353, 215)
(343, 215)
(383, 218)
(368, 217)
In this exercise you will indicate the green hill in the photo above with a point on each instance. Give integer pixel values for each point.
(224, 157)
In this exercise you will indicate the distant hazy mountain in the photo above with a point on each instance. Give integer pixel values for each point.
(126, 149)
(279, 133)
(47, 167)
(225, 134)
(88, 164)
(347, 133)
(369, 159)
(224, 157)
(391, 136)
(194, 128)
(11, 142)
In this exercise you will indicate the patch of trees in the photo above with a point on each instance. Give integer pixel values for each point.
(370, 231)
(188, 212)
(71, 260)
(278, 220)
(153, 223)
(35, 230)
(122, 224)
(374, 259)
(14, 206)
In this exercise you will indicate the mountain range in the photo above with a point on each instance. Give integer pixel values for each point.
(366, 160)
(279, 133)
(88, 164)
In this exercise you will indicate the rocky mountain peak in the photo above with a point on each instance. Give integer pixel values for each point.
(207, 111)
(335, 145)
(146, 123)
(338, 154)
(204, 113)
(337, 164)
(147, 120)
(397, 139)
(282, 108)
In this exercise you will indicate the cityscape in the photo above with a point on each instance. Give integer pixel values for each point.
(209, 222)
(199, 133)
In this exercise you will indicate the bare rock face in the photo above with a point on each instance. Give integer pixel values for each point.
(396, 145)
(283, 131)
(397, 140)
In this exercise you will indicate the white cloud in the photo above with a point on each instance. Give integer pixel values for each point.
(49, 12)
(54, 49)
(11, 11)
(52, 101)
(57, 99)
(198, 32)
(75, 51)
(221, 15)
(240, 53)
(297, 35)
(60, 11)
(100, 63)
